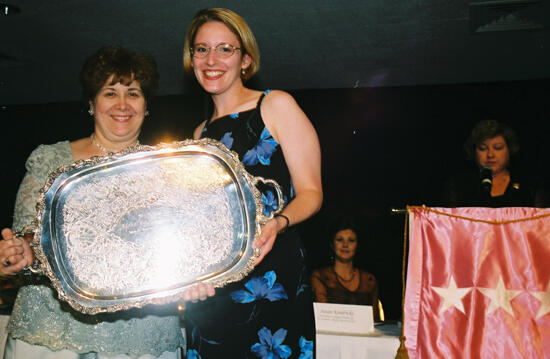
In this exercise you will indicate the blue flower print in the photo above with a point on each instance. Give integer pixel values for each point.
(227, 140)
(193, 354)
(259, 288)
(306, 348)
(263, 151)
(271, 346)
(270, 203)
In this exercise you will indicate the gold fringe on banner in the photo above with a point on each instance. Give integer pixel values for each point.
(402, 350)
(477, 219)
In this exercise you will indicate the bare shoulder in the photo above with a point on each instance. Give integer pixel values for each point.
(279, 110)
(278, 99)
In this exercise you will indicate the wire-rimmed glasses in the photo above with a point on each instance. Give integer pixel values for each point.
(221, 50)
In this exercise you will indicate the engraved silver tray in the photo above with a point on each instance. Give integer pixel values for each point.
(140, 226)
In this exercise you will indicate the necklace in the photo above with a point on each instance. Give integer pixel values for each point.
(102, 148)
(346, 280)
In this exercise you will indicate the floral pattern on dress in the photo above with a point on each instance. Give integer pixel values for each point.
(227, 140)
(271, 345)
(306, 348)
(273, 292)
(193, 354)
(270, 202)
(197, 340)
(260, 288)
(263, 150)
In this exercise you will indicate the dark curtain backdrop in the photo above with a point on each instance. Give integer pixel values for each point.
(382, 148)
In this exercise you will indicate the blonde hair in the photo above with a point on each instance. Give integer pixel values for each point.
(236, 24)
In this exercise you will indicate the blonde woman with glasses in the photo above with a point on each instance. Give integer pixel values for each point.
(269, 313)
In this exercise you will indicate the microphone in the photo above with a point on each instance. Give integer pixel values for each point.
(486, 175)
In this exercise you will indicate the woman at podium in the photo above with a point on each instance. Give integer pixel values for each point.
(492, 146)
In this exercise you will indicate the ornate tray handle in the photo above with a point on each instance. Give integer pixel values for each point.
(27, 233)
(280, 200)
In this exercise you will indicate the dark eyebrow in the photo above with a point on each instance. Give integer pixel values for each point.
(112, 88)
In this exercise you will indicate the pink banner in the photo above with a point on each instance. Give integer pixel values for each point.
(478, 283)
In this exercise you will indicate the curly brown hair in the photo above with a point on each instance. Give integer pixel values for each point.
(124, 66)
(490, 128)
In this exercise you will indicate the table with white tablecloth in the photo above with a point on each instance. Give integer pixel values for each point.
(381, 344)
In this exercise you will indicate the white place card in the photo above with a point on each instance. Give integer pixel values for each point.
(343, 319)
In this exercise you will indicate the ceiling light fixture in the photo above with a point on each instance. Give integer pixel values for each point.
(8, 9)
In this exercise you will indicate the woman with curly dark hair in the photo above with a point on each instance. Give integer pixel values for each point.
(492, 145)
(117, 85)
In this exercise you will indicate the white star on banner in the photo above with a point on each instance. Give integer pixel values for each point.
(452, 296)
(544, 297)
(500, 297)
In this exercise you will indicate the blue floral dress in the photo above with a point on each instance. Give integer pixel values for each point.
(268, 314)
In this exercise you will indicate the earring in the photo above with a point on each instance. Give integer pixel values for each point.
(146, 113)
(243, 71)
(91, 111)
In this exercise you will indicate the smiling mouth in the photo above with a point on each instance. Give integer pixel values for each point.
(121, 118)
(213, 74)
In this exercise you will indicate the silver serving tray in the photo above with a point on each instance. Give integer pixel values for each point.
(140, 226)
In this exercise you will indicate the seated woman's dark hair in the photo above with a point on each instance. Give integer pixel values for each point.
(340, 223)
(124, 66)
(487, 129)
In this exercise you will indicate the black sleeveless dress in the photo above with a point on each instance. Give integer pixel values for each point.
(268, 314)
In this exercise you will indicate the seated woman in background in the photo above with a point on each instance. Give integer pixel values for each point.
(342, 282)
(491, 145)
